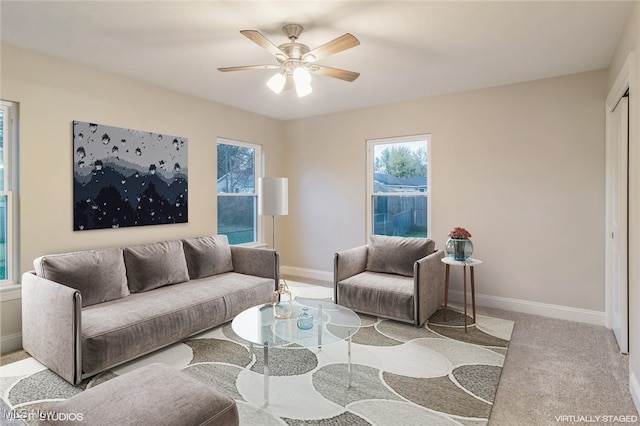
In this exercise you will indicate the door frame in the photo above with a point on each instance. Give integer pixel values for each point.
(623, 83)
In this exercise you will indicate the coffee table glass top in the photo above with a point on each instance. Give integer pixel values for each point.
(258, 326)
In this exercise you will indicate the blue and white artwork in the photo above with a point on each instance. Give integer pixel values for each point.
(124, 177)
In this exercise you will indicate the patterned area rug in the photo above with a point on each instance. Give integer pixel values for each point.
(401, 375)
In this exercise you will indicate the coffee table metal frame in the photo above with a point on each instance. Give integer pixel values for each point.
(258, 326)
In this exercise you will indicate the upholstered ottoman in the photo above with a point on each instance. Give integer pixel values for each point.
(152, 395)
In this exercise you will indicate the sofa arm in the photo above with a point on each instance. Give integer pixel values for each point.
(428, 275)
(51, 325)
(349, 263)
(256, 261)
(346, 264)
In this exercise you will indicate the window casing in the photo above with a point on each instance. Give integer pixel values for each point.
(239, 166)
(9, 245)
(399, 186)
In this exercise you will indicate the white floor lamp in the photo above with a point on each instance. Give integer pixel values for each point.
(273, 200)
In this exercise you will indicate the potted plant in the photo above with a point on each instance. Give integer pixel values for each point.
(459, 246)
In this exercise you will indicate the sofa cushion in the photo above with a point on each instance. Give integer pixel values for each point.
(396, 255)
(155, 265)
(123, 329)
(207, 256)
(99, 275)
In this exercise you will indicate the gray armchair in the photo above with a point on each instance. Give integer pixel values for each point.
(391, 277)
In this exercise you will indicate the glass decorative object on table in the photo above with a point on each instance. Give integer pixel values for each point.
(305, 320)
(459, 248)
(282, 301)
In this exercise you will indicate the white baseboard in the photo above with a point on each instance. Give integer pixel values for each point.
(634, 388)
(516, 305)
(534, 308)
(307, 273)
(12, 342)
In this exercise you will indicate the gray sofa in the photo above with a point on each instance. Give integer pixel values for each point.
(391, 277)
(88, 311)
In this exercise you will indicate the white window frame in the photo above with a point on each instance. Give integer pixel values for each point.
(371, 143)
(258, 166)
(11, 186)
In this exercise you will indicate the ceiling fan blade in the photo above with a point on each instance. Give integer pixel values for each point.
(249, 67)
(262, 41)
(344, 42)
(334, 72)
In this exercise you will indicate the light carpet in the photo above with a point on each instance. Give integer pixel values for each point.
(401, 375)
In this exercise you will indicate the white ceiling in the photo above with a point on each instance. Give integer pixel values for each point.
(408, 50)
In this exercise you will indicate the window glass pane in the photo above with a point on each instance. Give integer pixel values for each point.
(400, 216)
(3, 237)
(236, 218)
(236, 169)
(398, 186)
(400, 167)
(2, 135)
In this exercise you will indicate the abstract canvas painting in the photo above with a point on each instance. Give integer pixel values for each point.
(124, 177)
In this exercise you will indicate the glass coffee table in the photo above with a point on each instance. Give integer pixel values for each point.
(331, 323)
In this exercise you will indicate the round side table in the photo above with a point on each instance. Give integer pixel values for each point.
(448, 261)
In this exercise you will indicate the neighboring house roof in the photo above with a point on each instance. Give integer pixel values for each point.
(388, 183)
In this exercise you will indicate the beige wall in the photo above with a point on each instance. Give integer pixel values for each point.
(520, 166)
(53, 93)
(10, 323)
(630, 43)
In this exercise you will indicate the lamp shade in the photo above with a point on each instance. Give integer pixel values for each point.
(273, 196)
(276, 83)
(302, 80)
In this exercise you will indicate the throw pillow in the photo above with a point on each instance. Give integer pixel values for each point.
(99, 275)
(207, 256)
(396, 255)
(155, 265)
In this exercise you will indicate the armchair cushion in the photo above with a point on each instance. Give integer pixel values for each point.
(374, 293)
(155, 265)
(99, 275)
(207, 256)
(396, 255)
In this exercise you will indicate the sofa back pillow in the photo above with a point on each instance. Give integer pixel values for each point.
(155, 265)
(99, 275)
(207, 256)
(396, 255)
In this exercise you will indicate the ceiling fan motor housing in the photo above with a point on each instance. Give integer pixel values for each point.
(294, 51)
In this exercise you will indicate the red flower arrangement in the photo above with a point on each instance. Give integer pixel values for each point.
(459, 232)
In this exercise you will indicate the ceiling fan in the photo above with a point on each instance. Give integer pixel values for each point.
(296, 61)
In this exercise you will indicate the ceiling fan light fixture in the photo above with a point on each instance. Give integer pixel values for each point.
(276, 83)
(302, 80)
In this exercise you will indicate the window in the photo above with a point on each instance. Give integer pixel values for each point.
(238, 168)
(398, 187)
(9, 263)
